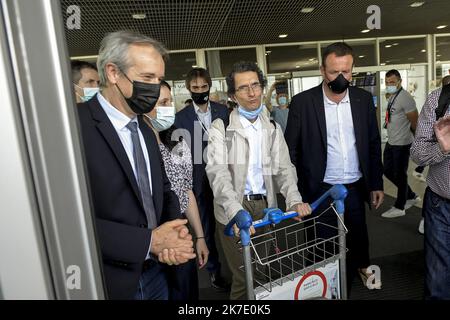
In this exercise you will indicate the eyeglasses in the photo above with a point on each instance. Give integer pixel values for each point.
(256, 87)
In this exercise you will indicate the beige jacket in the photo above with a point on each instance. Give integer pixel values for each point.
(227, 166)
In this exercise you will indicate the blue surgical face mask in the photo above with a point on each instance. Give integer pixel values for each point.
(282, 101)
(165, 118)
(391, 89)
(250, 115)
(88, 93)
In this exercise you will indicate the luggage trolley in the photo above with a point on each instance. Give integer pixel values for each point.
(290, 261)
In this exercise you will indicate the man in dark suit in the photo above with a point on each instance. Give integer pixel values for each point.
(130, 192)
(333, 138)
(196, 120)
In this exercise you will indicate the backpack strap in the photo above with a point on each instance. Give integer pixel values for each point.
(444, 101)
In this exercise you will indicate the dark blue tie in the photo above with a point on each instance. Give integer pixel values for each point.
(142, 176)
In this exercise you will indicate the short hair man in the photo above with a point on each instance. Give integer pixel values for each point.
(85, 80)
(400, 122)
(333, 138)
(196, 119)
(131, 193)
(244, 170)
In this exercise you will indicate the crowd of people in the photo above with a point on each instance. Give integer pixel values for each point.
(164, 184)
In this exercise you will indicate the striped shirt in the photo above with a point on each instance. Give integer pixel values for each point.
(425, 150)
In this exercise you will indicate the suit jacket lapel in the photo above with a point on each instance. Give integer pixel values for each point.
(214, 113)
(192, 115)
(357, 116)
(319, 108)
(109, 133)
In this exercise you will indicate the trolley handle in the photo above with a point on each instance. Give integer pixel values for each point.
(243, 219)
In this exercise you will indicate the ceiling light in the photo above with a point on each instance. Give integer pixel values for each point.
(282, 36)
(297, 67)
(423, 50)
(416, 4)
(194, 66)
(439, 55)
(365, 31)
(441, 27)
(307, 10)
(395, 44)
(139, 16)
(361, 57)
(388, 46)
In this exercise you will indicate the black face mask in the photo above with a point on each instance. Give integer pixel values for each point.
(200, 98)
(339, 85)
(144, 96)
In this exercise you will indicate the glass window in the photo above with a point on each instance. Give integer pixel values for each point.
(292, 58)
(179, 65)
(180, 94)
(305, 83)
(364, 52)
(400, 51)
(443, 48)
(219, 62)
(442, 58)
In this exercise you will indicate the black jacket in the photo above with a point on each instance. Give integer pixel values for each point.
(307, 140)
(186, 119)
(121, 223)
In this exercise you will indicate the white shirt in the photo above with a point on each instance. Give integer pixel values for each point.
(254, 135)
(342, 156)
(119, 122)
(204, 117)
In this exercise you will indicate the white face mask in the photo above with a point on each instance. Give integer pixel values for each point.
(165, 118)
(88, 93)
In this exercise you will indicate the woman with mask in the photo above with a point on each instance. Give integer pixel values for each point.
(178, 165)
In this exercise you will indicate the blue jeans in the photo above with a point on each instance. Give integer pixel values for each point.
(153, 284)
(437, 246)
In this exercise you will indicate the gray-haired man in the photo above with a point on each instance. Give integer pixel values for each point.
(130, 191)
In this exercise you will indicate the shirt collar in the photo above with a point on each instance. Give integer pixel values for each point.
(117, 118)
(197, 108)
(346, 98)
(247, 124)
